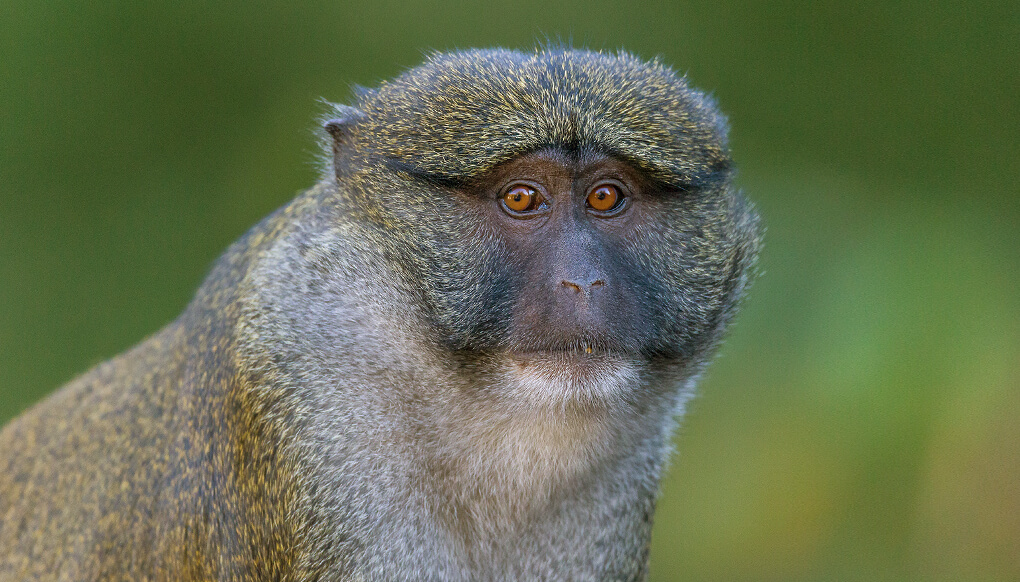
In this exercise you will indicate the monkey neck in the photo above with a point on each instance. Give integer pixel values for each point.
(486, 452)
(505, 462)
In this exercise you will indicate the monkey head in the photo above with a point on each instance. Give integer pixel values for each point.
(567, 217)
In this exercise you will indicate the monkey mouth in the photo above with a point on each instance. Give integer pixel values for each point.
(575, 355)
(576, 350)
(576, 359)
(593, 343)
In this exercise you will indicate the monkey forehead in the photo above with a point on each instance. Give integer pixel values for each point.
(460, 114)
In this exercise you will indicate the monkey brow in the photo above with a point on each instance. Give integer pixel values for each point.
(709, 178)
(661, 178)
(417, 173)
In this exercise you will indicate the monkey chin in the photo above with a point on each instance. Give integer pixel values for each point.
(570, 378)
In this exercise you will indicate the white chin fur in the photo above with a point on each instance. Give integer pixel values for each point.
(561, 378)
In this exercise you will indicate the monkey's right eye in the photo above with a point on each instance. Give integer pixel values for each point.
(522, 198)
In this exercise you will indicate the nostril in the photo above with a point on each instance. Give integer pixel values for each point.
(580, 287)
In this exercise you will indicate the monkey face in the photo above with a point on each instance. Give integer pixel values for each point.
(564, 206)
(561, 222)
(577, 261)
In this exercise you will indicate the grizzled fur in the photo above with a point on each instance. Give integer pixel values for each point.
(337, 402)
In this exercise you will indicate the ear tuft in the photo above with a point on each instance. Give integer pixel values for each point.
(338, 126)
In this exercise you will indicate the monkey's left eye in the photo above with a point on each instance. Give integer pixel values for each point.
(522, 198)
(605, 198)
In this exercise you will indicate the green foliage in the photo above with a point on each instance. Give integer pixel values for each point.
(861, 422)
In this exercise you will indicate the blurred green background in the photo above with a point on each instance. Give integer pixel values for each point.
(863, 420)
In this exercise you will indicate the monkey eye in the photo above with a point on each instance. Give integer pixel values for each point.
(606, 199)
(521, 198)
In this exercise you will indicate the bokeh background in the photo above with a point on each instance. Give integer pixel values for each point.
(862, 421)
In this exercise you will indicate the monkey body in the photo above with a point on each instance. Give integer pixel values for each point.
(400, 375)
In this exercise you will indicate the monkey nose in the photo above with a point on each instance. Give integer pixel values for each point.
(580, 303)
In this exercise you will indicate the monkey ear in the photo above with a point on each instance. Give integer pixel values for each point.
(339, 126)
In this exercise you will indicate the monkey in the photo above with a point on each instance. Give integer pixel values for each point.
(460, 356)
